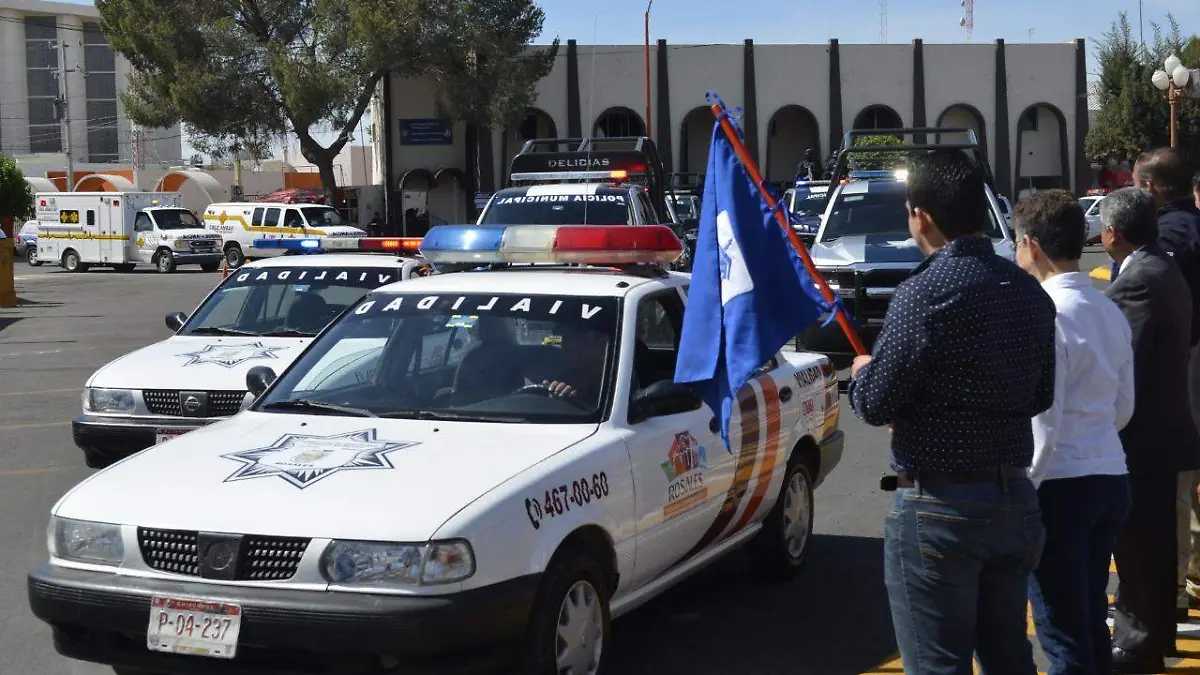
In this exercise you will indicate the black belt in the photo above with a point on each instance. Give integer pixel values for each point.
(908, 479)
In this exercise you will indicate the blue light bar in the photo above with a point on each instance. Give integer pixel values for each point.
(307, 244)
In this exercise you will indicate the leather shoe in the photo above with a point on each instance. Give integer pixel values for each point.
(1126, 662)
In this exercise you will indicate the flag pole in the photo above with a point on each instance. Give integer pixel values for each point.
(718, 111)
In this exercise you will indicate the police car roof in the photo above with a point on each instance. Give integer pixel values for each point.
(543, 280)
(329, 260)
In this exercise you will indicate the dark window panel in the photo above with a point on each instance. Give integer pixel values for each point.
(102, 85)
(97, 59)
(45, 138)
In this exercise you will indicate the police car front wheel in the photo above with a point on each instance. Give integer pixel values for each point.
(570, 624)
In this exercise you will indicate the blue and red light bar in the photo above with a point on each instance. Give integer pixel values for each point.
(346, 244)
(585, 244)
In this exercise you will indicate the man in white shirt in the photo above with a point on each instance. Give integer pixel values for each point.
(1078, 462)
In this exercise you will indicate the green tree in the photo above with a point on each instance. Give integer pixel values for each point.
(868, 161)
(240, 73)
(16, 198)
(1133, 115)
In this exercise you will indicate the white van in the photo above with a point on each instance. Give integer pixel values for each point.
(240, 223)
(78, 230)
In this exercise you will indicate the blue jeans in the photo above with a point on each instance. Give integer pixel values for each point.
(957, 560)
(1069, 589)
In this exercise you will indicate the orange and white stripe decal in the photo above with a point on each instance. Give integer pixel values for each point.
(748, 418)
(766, 470)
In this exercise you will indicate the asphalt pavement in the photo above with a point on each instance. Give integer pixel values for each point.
(833, 619)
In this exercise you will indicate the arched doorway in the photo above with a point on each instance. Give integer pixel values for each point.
(790, 132)
(537, 124)
(877, 116)
(1043, 161)
(618, 121)
(41, 184)
(964, 116)
(414, 187)
(104, 182)
(695, 137)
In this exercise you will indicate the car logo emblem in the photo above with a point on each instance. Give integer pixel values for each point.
(191, 404)
(218, 557)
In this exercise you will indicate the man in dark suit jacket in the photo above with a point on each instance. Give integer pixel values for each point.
(1160, 440)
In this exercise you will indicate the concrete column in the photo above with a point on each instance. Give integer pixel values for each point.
(14, 113)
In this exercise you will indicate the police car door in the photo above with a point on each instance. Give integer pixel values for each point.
(293, 222)
(679, 464)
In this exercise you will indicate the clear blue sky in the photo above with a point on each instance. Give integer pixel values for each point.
(850, 21)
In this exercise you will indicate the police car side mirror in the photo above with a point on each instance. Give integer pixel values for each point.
(175, 321)
(258, 379)
(660, 399)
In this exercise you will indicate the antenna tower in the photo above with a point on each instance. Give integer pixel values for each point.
(968, 18)
(883, 21)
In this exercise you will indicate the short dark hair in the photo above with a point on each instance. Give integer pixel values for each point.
(1167, 170)
(950, 187)
(1131, 212)
(1054, 219)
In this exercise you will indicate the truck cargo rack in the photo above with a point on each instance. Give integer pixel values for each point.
(848, 149)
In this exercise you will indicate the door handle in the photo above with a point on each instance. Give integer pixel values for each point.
(713, 426)
(785, 394)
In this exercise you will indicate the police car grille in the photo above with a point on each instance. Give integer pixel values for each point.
(263, 558)
(166, 402)
(169, 551)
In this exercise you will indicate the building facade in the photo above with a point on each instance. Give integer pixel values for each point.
(1026, 102)
(55, 61)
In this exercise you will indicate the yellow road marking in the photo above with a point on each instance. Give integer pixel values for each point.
(35, 425)
(1103, 273)
(38, 393)
(30, 472)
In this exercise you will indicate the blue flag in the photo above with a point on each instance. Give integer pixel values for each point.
(749, 295)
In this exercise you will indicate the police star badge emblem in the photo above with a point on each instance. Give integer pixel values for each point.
(302, 459)
(230, 356)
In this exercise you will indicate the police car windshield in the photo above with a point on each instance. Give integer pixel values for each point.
(879, 210)
(808, 203)
(685, 207)
(558, 209)
(322, 216)
(176, 219)
(284, 301)
(475, 357)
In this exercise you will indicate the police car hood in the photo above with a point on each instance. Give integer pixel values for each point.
(875, 248)
(202, 363)
(316, 476)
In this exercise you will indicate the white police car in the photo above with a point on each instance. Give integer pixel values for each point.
(264, 313)
(467, 469)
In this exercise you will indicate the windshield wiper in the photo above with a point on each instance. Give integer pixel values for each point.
(305, 404)
(291, 332)
(450, 417)
(221, 330)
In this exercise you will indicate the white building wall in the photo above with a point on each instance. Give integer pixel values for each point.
(1041, 74)
(876, 75)
(962, 74)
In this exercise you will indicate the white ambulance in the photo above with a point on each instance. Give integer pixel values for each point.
(79, 230)
(240, 223)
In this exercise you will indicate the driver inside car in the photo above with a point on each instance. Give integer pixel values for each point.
(580, 365)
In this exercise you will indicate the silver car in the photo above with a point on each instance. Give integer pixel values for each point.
(1091, 213)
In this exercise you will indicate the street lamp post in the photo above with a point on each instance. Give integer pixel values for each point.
(1173, 80)
(648, 4)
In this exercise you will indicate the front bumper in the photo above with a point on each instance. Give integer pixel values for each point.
(108, 439)
(831, 448)
(103, 618)
(190, 258)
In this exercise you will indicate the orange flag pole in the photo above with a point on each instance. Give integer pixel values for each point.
(718, 111)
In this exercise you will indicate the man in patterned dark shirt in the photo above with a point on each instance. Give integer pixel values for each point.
(964, 361)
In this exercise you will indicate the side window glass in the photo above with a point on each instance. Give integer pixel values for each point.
(272, 218)
(91, 217)
(257, 219)
(656, 338)
(142, 223)
(648, 213)
(292, 218)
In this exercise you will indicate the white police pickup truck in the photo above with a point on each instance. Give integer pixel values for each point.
(477, 468)
(264, 313)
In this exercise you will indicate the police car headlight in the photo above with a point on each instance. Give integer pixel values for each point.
(108, 400)
(381, 563)
(85, 541)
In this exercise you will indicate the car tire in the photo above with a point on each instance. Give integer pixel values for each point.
(164, 262)
(234, 256)
(210, 267)
(31, 256)
(72, 263)
(781, 546)
(574, 588)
